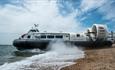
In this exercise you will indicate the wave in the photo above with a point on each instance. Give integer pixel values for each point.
(59, 55)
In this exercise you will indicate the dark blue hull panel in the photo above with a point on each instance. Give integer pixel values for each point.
(42, 44)
(23, 44)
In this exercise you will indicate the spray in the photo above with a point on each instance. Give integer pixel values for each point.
(59, 55)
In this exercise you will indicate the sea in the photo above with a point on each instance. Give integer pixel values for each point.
(58, 56)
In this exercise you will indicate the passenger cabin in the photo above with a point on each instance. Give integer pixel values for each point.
(52, 36)
(34, 34)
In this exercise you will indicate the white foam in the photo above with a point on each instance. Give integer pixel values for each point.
(59, 56)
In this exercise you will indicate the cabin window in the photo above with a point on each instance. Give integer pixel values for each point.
(102, 30)
(37, 36)
(67, 36)
(50, 36)
(28, 36)
(78, 35)
(59, 36)
(43, 36)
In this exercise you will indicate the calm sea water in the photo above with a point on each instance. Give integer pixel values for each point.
(6, 53)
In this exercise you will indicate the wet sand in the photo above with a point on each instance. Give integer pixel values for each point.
(95, 59)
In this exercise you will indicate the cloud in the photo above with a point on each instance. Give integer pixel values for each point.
(88, 5)
(15, 19)
(82, 8)
(40, 12)
(104, 7)
(108, 10)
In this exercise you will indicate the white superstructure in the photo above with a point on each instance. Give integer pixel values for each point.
(96, 32)
(96, 35)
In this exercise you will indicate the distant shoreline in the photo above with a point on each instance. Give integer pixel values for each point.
(5, 45)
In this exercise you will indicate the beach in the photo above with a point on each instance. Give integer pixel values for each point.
(95, 59)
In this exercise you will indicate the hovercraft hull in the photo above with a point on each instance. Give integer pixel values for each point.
(30, 44)
(43, 44)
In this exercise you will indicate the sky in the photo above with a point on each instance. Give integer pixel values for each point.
(18, 16)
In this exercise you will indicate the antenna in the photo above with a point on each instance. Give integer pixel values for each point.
(36, 25)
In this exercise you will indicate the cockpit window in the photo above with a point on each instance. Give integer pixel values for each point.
(34, 30)
(23, 35)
